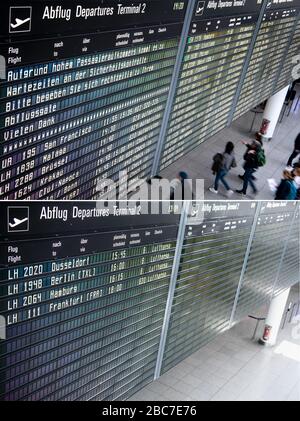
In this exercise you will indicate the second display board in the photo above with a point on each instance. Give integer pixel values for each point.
(217, 46)
(235, 58)
(86, 292)
(90, 92)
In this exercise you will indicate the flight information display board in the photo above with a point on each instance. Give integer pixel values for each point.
(85, 92)
(273, 227)
(218, 42)
(290, 270)
(83, 291)
(211, 263)
(268, 55)
(286, 73)
(86, 87)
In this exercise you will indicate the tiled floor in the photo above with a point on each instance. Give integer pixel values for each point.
(233, 367)
(198, 162)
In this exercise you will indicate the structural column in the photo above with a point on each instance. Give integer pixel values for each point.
(273, 320)
(176, 262)
(173, 86)
(272, 113)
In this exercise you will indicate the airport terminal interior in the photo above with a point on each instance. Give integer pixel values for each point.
(232, 367)
(186, 294)
(101, 304)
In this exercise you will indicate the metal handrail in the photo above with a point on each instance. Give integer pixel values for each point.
(258, 320)
(255, 111)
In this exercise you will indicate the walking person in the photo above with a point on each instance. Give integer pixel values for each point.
(296, 151)
(182, 187)
(250, 166)
(296, 174)
(221, 166)
(287, 189)
(258, 145)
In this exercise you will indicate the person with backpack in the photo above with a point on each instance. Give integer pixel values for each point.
(250, 166)
(287, 189)
(296, 151)
(222, 164)
(261, 157)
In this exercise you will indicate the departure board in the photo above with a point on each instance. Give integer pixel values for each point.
(84, 94)
(290, 270)
(87, 87)
(218, 42)
(286, 73)
(271, 234)
(210, 267)
(83, 291)
(268, 55)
